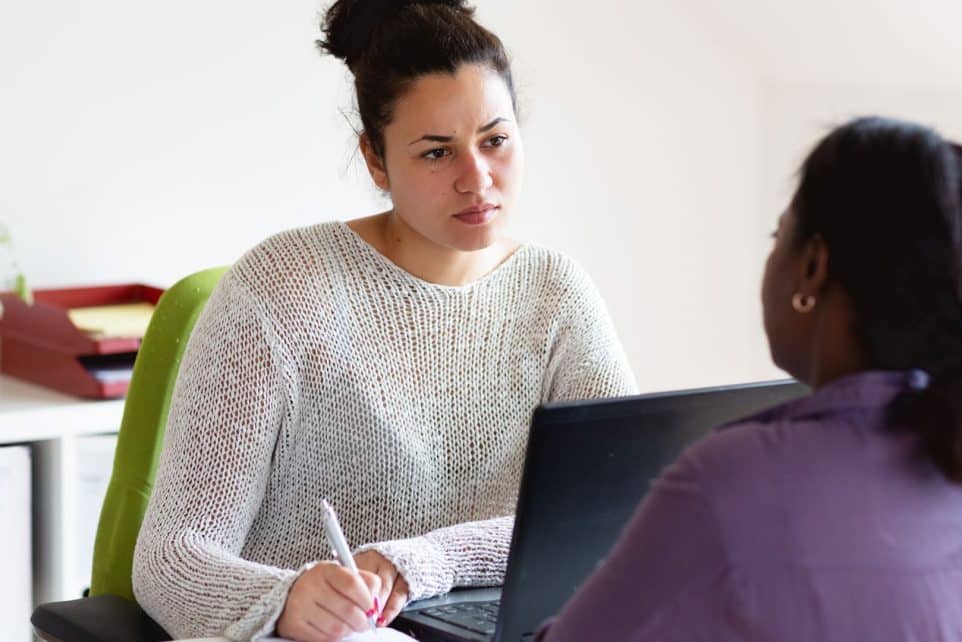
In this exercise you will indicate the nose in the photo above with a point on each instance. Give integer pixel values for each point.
(474, 176)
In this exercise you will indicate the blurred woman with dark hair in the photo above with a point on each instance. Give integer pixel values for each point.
(836, 517)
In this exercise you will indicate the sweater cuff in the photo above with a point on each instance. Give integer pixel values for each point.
(271, 606)
(422, 563)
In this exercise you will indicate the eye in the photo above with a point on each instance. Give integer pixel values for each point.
(497, 141)
(435, 154)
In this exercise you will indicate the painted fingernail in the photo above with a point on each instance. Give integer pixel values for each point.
(380, 620)
(371, 612)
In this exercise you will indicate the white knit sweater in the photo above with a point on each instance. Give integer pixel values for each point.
(319, 369)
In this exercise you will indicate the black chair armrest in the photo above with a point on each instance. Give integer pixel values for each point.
(104, 618)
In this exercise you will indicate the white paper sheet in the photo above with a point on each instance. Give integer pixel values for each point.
(379, 635)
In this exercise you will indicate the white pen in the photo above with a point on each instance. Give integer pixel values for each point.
(335, 537)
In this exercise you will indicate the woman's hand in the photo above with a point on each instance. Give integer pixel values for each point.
(327, 603)
(393, 594)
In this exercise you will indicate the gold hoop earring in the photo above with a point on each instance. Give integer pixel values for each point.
(803, 304)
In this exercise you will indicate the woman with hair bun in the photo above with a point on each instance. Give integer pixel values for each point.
(388, 364)
(835, 517)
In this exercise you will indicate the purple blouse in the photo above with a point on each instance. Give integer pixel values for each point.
(816, 520)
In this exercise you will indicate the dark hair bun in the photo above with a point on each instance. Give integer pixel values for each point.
(349, 25)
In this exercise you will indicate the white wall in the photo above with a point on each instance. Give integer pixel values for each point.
(642, 147)
(796, 116)
(147, 141)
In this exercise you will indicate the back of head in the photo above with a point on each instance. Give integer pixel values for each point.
(886, 198)
(388, 44)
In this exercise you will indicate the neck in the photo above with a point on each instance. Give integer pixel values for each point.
(824, 374)
(425, 259)
(836, 350)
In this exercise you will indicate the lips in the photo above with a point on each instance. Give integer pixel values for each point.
(477, 215)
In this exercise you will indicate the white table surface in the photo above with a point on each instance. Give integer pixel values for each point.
(33, 413)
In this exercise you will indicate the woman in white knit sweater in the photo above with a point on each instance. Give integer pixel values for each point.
(389, 364)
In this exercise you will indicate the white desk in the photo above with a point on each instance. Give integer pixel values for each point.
(69, 465)
(30, 413)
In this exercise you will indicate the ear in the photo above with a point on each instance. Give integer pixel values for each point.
(813, 267)
(375, 164)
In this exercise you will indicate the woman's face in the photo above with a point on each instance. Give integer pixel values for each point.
(787, 330)
(453, 158)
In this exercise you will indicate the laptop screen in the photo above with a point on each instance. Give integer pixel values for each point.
(588, 465)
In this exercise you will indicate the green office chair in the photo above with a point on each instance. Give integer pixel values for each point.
(111, 614)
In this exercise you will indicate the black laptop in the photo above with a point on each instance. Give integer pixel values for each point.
(588, 465)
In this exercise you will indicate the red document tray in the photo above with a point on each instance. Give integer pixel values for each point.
(40, 344)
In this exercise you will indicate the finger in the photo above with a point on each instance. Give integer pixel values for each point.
(296, 620)
(313, 633)
(374, 584)
(332, 623)
(396, 602)
(388, 576)
(355, 600)
(373, 581)
(305, 631)
(316, 624)
(376, 563)
(351, 586)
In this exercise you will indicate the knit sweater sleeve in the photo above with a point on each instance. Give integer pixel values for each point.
(469, 554)
(587, 360)
(228, 405)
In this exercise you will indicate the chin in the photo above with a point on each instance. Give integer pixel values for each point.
(475, 245)
(481, 238)
(788, 368)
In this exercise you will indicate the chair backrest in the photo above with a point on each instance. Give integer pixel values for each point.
(141, 434)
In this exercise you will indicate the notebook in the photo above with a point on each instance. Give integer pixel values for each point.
(379, 635)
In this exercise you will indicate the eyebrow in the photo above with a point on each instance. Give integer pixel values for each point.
(437, 138)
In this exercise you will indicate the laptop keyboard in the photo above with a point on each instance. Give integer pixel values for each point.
(479, 617)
